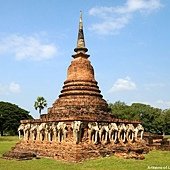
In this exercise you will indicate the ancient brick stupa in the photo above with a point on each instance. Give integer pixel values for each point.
(78, 126)
(80, 92)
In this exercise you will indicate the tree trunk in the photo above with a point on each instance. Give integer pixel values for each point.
(40, 112)
(2, 133)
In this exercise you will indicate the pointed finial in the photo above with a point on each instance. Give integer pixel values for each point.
(80, 41)
(81, 17)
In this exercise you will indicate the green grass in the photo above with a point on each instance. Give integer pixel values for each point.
(154, 158)
(167, 136)
(6, 143)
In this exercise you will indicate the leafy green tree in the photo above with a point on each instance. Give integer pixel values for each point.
(166, 119)
(153, 119)
(10, 116)
(122, 111)
(119, 110)
(40, 104)
(150, 117)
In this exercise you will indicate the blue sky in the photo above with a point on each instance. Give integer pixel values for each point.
(128, 42)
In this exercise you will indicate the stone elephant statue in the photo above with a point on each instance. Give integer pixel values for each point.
(130, 130)
(77, 130)
(113, 132)
(104, 133)
(48, 131)
(54, 131)
(93, 132)
(139, 129)
(62, 131)
(51, 130)
(33, 131)
(122, 132)
(41, 132)
(27, 131)
(21, 128)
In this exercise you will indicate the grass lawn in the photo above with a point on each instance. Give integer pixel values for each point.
(167, 136)
(154, 158)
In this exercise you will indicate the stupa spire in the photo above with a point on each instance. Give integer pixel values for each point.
(80, 40)
(80, 93)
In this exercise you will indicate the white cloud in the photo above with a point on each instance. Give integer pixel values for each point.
(107, 27)
(123, 85)
(27, 47)
(115, 18)
(14, 87)
(11, 88)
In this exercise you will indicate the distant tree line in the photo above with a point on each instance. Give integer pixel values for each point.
(153, 119)
(10, 116)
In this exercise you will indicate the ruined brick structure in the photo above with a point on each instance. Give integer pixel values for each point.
(78, 126)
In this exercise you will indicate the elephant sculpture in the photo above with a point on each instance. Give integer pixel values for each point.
(113, 132)
(62, 131)
(48, 132)
(93, 132)
(122, 132)
(53, 131)
(77, 130)
(33, 131)
(41, 132)
(139, 129)
(97, 132)
(130, 132)
(21, 128)
(27, 131)
(104, 133)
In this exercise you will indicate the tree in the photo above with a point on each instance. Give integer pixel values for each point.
(10, 116)
(166, 118)
(120, 110)
(153, 119)
(40, 104)
(150, 117)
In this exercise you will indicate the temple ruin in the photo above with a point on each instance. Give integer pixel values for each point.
(78, 126)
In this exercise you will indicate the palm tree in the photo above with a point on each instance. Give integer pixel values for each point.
(40, 104)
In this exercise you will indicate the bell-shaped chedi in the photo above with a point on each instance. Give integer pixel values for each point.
(80, 95)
